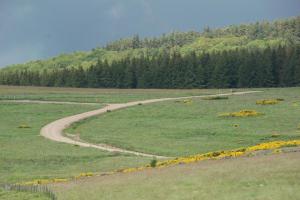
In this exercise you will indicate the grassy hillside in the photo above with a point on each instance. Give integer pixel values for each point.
(259, 35)
(272, 177)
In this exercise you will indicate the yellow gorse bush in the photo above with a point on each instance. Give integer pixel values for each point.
(55, 180)
(275, 145)
(268, 101)
(218, 155)
(43, 181)
(86, 174)
(242, 113)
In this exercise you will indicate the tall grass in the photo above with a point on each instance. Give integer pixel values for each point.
(30, 188)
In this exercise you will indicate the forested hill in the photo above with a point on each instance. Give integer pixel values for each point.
(252, 55)
(288, 30)
(248, 36)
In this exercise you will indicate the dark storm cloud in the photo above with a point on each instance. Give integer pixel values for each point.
(36, 29)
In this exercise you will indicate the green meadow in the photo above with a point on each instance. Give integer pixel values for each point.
(178, 128)
(172, 128)
(13, 195)
(237, 140)
(25, 155)
(96, 95)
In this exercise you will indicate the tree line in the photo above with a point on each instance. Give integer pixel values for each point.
(229, 69)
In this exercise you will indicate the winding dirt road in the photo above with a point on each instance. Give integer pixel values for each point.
(54, 130)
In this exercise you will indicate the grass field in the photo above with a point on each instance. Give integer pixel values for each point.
(172, 128)
(272, 177)
(95, 95)
(175, 128)
(25, 155)
(13, 195)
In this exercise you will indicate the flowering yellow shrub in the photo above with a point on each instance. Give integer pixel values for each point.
(55, 180)
(218, 155)
(242, 113)
(275, 145)
(85, 174)
(44, 181)
(268, 101)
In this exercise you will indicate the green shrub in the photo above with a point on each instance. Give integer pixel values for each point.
(216, 98)
(24, 126)
(275, 135)
(216, 154)
(241, 150)
(153, 162)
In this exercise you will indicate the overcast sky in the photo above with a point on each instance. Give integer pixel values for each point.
(37, 29)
